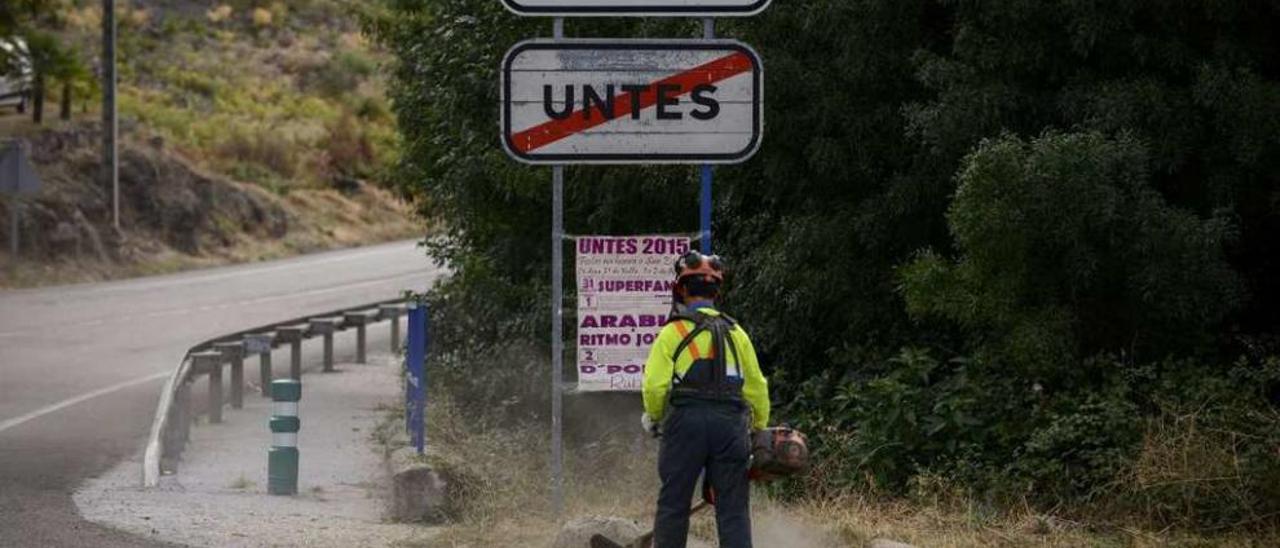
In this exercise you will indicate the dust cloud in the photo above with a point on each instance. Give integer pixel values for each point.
(775, 529)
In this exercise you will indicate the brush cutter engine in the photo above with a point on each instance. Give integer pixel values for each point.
(777, 452)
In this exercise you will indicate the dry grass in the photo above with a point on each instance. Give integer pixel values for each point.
(505, 466)
(858, 520)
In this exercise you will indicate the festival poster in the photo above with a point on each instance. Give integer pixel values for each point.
(624, 296)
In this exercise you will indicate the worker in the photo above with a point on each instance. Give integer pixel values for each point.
(703, 394)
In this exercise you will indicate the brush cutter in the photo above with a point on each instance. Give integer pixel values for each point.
(775, 453)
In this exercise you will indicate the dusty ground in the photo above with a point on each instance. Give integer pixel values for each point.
(219, 496)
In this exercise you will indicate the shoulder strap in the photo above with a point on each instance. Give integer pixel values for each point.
(701, 323)
(720, 327)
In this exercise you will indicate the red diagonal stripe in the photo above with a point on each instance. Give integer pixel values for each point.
(554, 130)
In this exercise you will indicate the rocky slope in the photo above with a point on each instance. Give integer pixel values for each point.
(174, 214)
(250, 129)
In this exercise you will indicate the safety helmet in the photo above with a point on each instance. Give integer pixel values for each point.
(710, 267)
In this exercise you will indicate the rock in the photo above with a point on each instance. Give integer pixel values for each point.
(347, 185)
(164, 200)
(578, 532)
(886, 543)
(418, 492)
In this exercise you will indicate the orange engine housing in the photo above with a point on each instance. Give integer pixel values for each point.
(778, 452)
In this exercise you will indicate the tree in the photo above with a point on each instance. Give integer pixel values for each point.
(1126, 150)
(33, 24)
(1064, 250)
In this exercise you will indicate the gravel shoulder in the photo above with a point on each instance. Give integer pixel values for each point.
(218, 496)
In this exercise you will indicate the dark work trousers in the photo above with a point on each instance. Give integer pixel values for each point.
(701, 435)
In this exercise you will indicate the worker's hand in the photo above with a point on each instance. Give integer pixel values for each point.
(650, 427)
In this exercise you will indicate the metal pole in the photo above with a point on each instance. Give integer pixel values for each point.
(704, 217)
(426, 350)
(295, 359)
(557, 323)
(328, 352)
(110, 130)
(416, 386)
(360, 340)
(557, 336)
(395, 333)
(184, 407)
(237, 383)
(15, 212)
(705, 213)
(215, 391)
(264, 373)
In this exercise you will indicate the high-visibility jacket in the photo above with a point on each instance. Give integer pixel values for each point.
(659, 367)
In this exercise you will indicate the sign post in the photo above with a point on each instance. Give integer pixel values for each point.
(637, 8)
(557, 323)
(16, 178)
(704, 202)
(110, 125)
(583, 101)
(416, 376)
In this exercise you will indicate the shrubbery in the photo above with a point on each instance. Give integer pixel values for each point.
(299, 105)
(1022, 249)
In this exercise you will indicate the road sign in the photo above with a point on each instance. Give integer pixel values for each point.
(16, 174)
(632, 101)
(685, 8)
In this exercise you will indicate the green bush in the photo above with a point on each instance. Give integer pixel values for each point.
(262, 147)
(1065, 249)
(340, 74)
(974, 244)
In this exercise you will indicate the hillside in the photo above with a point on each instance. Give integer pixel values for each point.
(249, 130)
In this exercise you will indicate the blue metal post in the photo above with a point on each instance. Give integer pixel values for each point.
(706, 210)
(422, 374)
(415, 386)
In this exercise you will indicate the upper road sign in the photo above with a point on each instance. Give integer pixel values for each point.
(687, 8)
(632, 101)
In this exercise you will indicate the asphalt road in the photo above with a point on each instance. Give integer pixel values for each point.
(81, 366)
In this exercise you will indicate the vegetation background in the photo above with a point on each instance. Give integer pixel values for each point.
(1016, 253)
(250, 129)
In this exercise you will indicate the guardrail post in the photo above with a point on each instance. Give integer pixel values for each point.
(360, 357)
(282, 458)
(328, 352)
(173, 434)
(233, 352)
(325, 327)
(260, 344)
(184, 410)
(393, 312)
(210, 363)
(292, 334)
(264, 373)
(358, 319)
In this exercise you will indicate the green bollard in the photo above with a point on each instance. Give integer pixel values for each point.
(282, 458)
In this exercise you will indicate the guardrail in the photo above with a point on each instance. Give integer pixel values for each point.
(172, 424)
